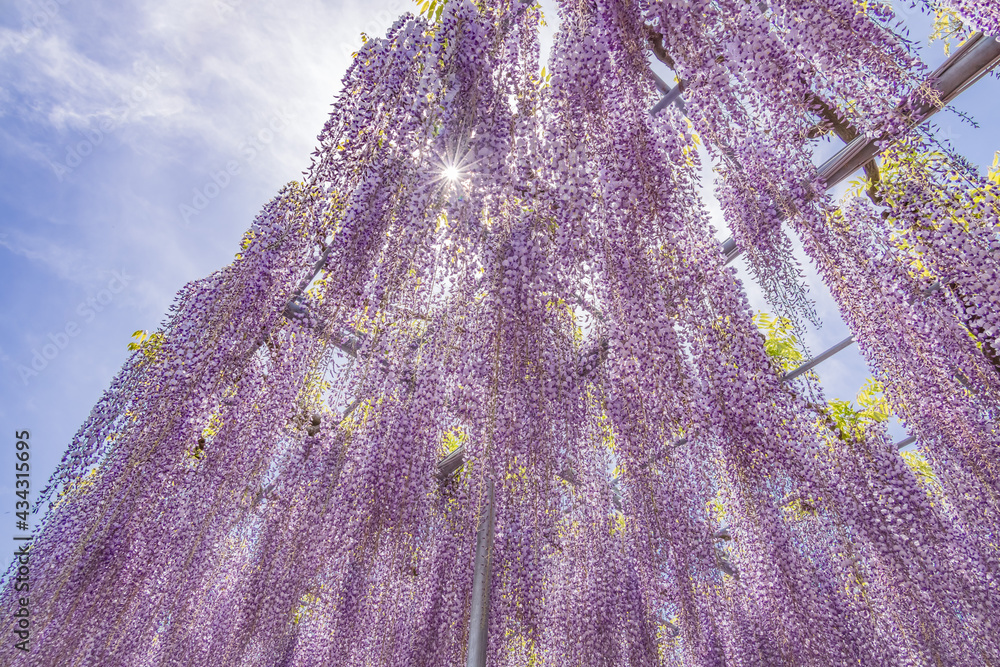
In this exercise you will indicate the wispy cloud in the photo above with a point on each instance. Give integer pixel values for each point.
(218, 65)
(63, 261)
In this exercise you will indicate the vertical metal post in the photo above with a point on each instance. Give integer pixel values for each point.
(479, 613)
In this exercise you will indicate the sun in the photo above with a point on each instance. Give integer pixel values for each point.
(450, 167)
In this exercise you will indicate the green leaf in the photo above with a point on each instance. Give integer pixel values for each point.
(780, 342)
(874, 409)
(872, 401)
(920, 467)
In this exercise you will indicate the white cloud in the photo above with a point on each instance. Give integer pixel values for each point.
(220, 67)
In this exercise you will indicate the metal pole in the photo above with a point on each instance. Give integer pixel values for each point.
(479, 612)
(817, 360)
(451, 462)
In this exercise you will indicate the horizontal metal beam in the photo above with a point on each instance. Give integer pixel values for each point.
(671, 96)
(817, 360)
(969, 63)
(448, 465)
(452, 461)
(455, 459)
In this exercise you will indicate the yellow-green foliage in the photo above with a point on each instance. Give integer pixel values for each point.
(922, 469)
(799, 508)
(716, 510)
(618, 524)
(905, 164)
(452, 439)
(948, 26)
(312, 391)
(213, 426)
(431, 9)
(872, 409)
(80, 485)
(544, 80)
(780, 342)
(148, 343)
(303, 608)
(993, 173)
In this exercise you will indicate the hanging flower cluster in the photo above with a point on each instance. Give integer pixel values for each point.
(981, 14)
(496, 283)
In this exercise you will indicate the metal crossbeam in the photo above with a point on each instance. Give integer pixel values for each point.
(969, 63)
(820, 358)
(450, 464)
(817, 360)
(972, 61)
(671, 96)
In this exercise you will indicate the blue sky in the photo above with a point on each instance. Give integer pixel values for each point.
(117, 120)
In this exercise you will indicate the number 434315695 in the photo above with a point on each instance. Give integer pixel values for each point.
(23, 481)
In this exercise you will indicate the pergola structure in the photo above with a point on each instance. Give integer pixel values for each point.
(462, 212)
(970, 62)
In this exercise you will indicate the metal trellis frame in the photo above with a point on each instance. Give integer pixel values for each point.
(967, 65)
